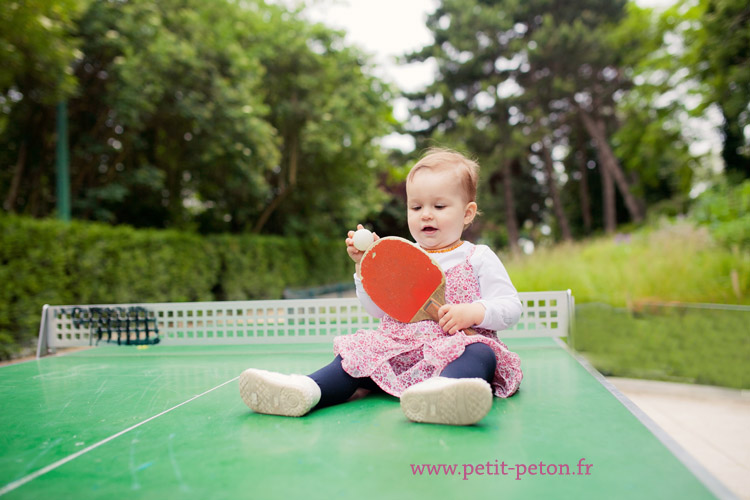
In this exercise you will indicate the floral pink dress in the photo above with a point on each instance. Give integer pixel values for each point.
(398, 355)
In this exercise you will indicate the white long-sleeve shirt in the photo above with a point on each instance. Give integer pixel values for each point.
(499, 296)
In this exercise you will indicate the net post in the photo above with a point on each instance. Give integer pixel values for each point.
(42, 346)
(571, 318)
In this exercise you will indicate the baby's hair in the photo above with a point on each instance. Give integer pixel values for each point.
(439, 159)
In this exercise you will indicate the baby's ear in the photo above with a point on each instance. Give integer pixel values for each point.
(470, 213)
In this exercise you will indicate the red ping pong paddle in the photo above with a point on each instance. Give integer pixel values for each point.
(403, 280)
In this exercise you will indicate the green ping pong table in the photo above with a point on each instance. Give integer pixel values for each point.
(165, 420)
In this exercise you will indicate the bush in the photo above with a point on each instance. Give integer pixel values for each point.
(726, 212)
(50, 262)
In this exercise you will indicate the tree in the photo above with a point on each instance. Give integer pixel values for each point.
(652, 136)
(171, 120)
(462, 107)
(535, 67)
(328, 113)
(37, 49)
(579, 70)
(208, 115)
(717, 41)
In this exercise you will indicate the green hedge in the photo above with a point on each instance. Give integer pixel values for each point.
(50, 262)
(672, 342)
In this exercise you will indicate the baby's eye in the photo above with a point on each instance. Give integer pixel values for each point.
(416, 207)
(439, 207)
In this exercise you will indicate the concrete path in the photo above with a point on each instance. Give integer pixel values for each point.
(712, 424)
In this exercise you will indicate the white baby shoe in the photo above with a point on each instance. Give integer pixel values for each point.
(442, 400)
(278, 394)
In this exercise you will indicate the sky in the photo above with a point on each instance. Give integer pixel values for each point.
(386, 30)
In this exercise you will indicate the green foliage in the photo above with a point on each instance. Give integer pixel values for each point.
(652, 139)
(209, 115)
(670, 262)
(261, 267)
(616, 282)
(516, 80)
(49, 262)
(726, 211)
(670, 342)
(181, 90)
(328, 113)
(727, 72)
(716, 59)
(37, 49)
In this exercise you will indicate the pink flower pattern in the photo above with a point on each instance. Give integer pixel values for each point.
(398, 355)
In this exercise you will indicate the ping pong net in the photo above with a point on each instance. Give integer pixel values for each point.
(121, 325)
(545, 314)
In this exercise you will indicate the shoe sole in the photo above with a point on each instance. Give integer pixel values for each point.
(464, 402)
(264, 393)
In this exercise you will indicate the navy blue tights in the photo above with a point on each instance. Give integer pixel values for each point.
(336, 386)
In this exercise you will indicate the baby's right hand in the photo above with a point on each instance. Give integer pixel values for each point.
(353, 252)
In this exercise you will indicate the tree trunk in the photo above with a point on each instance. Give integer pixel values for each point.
(609, 206)
(549, 170)
(607, 161)
(10, 200)
(583, 190)
(511, 223)
(286, 183)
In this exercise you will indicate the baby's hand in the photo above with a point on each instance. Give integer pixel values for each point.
(355, 254)
(457, 317)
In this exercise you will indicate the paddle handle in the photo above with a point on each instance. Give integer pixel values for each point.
(431, 307)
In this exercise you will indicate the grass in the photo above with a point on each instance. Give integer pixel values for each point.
(616, 282)
(672, 262)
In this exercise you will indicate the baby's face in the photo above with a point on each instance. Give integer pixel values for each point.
(437, 208)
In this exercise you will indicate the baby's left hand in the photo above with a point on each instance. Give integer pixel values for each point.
(457, 317)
